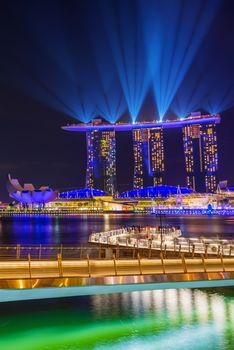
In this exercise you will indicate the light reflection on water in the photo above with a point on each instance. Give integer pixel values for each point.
(184, 338)
(167, 319)
(174, 303)
(181, 319)
(76, 229)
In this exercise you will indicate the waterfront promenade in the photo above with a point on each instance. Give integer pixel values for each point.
(29, 262)
(64, 268)
(36, 272)
(163, 240)
(170, 211)
(228, 211)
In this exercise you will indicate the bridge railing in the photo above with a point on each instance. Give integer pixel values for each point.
(124, 249)
(129, 238)
(67, 252)
(113, 266)
(21, 252)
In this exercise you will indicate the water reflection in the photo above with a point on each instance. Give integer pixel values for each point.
(76, 229)
(190, 305)
(165, 319)
(204, 320)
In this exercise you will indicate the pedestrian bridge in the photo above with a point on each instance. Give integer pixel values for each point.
(36, 272)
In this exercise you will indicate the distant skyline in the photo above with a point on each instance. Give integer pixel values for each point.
(33, 146)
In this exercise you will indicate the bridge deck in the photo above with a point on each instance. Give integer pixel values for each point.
(90, 270)
(162, 238)
(21, 269)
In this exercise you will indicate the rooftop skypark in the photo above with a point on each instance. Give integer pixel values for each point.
(199, 138)
(97, 124)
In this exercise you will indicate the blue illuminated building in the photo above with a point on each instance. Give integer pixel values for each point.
(138, 179)
(201, 156)
(148, 152)
(101, 160)
(81, 193)
(28, 196)
(200, 150)
(155, 191)
(168, 124)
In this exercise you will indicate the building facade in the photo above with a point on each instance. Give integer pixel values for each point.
(148, 152)
(156, 154)
(201, 156)
(138, 179)
(101, 160)
(200, 151)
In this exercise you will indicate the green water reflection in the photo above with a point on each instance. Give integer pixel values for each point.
(169, 319)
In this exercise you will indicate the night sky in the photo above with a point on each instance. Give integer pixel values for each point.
(48, 47)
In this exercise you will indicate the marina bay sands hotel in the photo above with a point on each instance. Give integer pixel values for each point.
(200, 152)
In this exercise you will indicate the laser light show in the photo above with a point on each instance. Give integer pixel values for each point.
(115, 58)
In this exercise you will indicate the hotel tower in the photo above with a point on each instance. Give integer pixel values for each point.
(200, 151)
(101, 160)
(148, 152)
(201, 156)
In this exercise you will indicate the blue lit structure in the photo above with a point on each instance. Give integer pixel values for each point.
(81, 193)
(155, 191)
(194, 211)
(231, 189)
(178, 123)
(29, 196)
(148, 149)
(138, 179)
(201, 156)
(101, 160)
(148, 152)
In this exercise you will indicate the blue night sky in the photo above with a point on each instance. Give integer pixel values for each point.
(129, 60)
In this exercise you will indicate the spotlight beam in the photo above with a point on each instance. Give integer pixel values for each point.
(42, 84)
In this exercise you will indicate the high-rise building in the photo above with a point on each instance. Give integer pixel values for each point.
(148, 151)
(201, 157)
(200, 150)
(138, 179)
(101, 160)
(210, 156)
(156, 152)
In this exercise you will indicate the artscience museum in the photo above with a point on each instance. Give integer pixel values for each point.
(27, 195)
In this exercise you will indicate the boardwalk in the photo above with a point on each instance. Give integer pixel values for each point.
(20, 262)
(36, 272)
(150, 239)
(113, 267)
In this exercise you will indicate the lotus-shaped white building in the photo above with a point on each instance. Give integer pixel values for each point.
(28, 195)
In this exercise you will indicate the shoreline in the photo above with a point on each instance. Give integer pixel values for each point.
(158, 212)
